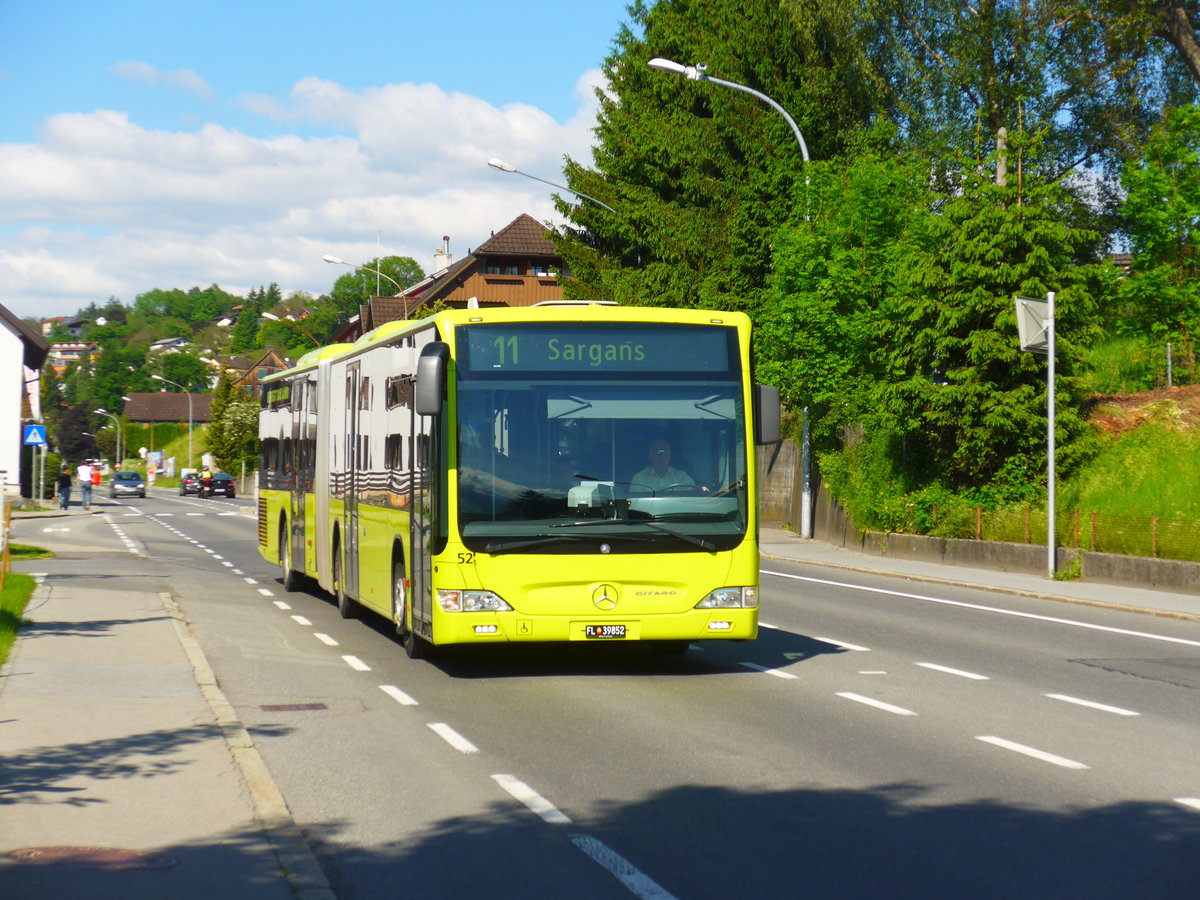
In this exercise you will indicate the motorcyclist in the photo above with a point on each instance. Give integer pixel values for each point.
(206, 482)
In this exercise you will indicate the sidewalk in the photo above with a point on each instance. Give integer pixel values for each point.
(779, 544)
(120, 759)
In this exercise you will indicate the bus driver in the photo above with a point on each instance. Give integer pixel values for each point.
(659, 475)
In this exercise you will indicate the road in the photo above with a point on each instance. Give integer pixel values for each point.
(881, 738)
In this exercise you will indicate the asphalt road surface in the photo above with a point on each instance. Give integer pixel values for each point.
(881, 738)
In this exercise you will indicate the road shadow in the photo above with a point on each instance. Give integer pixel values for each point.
(697, 842)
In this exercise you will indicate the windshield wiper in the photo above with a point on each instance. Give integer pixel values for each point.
(530, 542)
(689, 538)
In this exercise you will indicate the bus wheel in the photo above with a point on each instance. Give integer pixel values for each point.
(399, 595)
(289, 578)
(345, 605)
(417, 647)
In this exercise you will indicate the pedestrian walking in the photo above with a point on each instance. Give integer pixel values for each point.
(64, 487)
(84, 475)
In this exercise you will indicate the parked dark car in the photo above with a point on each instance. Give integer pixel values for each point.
(127, 484)
(189, 484)
(222, 484)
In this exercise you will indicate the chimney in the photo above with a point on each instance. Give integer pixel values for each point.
(441, 256)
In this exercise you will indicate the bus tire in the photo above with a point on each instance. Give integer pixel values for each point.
(346, 607)
(417, 647)
(399, 596)
(290, 579)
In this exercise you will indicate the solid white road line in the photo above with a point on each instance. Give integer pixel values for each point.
(959, 672)
(452, 737)
(1033, 752)
(878, 704)
(1190, 802)
(991, 609)
(842, 644)
(398, 695)
(1092, 704)
(325, 639)
(637, 882)
(778, 673)
(532, 799)
(355, 663)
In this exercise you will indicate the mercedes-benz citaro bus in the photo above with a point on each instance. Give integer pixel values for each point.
(562, 472)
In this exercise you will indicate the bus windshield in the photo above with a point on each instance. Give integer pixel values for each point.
(652, 457)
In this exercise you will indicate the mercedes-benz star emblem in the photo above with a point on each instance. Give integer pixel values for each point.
(604, 596)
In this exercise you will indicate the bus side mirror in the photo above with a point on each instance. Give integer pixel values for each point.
(766, 414)
(431, 379)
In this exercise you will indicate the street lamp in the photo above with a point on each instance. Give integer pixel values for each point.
(189, 393)
(274, 318)
(501, 166)
(338, 261)
(700, 73)
(120, 441)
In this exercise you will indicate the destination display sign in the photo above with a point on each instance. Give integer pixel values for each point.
(603, 348)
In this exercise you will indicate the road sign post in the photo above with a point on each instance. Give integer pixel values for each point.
(1035, 330)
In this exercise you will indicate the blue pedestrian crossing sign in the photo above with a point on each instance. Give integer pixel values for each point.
(35, 434)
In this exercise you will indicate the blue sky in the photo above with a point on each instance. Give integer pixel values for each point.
(167, 145)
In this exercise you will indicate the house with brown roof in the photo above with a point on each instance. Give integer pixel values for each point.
(163, 406)
(516, 266)
(247, 372)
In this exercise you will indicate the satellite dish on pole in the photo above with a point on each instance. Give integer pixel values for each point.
(1032, 319)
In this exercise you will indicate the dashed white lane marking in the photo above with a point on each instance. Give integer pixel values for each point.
(768, 625)
(637, 882)
(266, 592)
(193, 514)
(227, 564)
(878, 704)
(949, 671)
(355, 663)
(1190, 802)
(282, 605)
(398, 695)
(324, 638)
(1032, 752)
(778, 673)
(843, 644)
(216, 556)
(251, 580)
(452, 737)
(990, 609)
(536, 803)
(1092, 704)
(300, 620)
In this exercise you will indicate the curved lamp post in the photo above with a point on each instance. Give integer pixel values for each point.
(700, 73)
(120, 440)
(274, 318)
(501, 166)
(189, 396)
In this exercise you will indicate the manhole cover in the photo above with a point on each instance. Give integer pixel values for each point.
(93, 857)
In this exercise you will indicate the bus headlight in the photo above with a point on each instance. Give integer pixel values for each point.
(731, 598)
(471, 601)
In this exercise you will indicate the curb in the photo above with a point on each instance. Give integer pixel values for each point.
(999, 589)
(297, 862)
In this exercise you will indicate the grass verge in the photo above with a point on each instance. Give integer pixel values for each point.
(18, 588)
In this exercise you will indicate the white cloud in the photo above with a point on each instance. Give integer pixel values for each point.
(148, 74)
(101, 206)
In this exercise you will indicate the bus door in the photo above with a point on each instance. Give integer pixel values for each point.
(297, 475)
(421, 524)
(353, 461)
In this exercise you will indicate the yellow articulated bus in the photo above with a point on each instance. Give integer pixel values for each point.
(560, 472)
